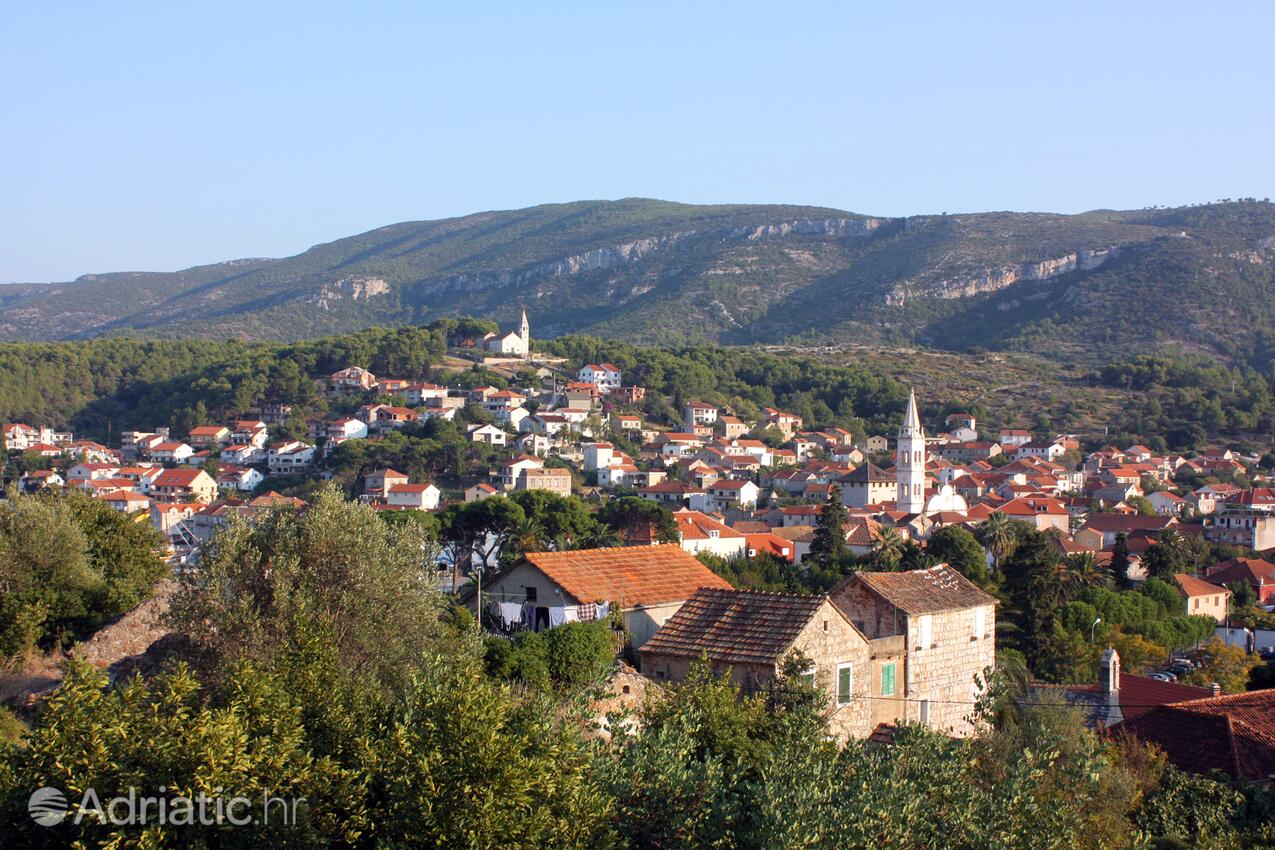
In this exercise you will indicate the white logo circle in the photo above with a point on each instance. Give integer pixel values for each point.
(47, 806)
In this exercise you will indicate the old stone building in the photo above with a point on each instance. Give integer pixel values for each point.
(749, 634)
(932, 632)
(647, 584)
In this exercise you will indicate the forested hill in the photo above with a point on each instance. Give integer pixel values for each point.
(657, 272)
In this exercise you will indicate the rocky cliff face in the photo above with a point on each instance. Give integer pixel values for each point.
(993, 279)
(352, 288)
(628, 253)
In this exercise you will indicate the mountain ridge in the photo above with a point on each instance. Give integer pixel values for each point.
(657, 271)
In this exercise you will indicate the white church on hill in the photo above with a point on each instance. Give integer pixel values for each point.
(909, 471)
(512, 344)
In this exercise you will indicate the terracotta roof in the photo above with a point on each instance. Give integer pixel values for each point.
(693, 525)
(1234, 734)
(410, 488)
(636, 575)
(735, 626)
(177, 477)
(868, 473)
(939, 588)
(796, 533)
(1140, 694)
(1192, 586)
(1251, 570)
(1126, 522)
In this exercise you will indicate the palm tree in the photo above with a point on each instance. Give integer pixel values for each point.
(1086, 572)
(525, 537)
(996, 533)
(1173, 541)
(888, 547)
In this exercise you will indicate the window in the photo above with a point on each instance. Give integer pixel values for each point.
(1197, 603)
(923, 631)
(925, 712)
(887, 679)
(531, 593)
(845, 679)
(980, 624)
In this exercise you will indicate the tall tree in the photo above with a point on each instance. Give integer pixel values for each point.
(996, 533)
(828, 547)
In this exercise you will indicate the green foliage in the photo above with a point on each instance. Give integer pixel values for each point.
(67, 565)
(102, 387)
(579, 653)
(336, 564)
(828, 548)
(959, 548)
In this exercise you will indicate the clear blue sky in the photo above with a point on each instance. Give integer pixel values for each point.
(163, 135)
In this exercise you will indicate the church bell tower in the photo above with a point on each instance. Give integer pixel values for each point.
(910, 462)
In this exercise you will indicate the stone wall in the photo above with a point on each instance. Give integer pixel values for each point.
(830, 641)
(941, 675)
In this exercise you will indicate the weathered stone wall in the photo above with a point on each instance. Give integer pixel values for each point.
(943, 671)
(830, 641)
(869, 613)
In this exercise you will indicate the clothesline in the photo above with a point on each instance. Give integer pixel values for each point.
(529, 615)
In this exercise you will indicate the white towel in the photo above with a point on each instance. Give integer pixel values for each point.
(510, 612)
(571, 615)
(557, 616)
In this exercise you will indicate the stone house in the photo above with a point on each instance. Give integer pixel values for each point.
(749, 634)
(932, 633)
(647, 583)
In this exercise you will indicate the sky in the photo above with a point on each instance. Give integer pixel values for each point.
(158, 136)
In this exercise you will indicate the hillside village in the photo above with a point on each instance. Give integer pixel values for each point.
(907, 645)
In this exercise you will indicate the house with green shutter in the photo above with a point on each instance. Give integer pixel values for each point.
(884, 647)
(749, 634)
(932, 634)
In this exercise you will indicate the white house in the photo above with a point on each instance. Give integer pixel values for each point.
(699, 532)
(489, 434)
(597, 456)
(605, 376)
(171, 452)
(421, 497)
(347, 429)
(242, 454)
(735, 493)
(289, 456)
(240, 478)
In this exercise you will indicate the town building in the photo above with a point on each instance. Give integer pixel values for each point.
(646, 584)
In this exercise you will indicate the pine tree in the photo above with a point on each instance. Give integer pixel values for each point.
(1120, 560)
(829, 544)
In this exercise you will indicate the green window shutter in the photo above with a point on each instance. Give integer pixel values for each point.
(843, 685)
(887, 680)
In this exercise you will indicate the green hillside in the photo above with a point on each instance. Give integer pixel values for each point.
(649, 271)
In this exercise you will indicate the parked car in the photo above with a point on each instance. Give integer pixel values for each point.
(1163, 676)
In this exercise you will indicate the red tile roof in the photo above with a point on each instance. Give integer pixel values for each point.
(629, 576)
(1234, 734)
(1192, 586)
(1140, 694)
(735, 626)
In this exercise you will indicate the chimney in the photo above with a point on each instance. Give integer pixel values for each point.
(1215, 689)
(1109, 677)
(1109, 685)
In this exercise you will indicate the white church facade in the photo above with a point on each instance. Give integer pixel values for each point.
(513, 344)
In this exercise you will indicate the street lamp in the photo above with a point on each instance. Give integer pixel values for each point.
(1093, 627)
